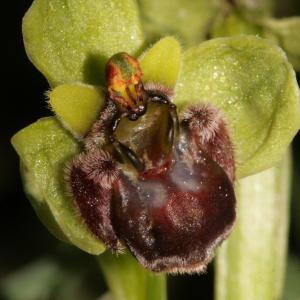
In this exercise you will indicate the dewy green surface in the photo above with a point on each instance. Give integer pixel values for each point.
(251, 82)
(161, 63)
(187, 20)
(128, 280)
(44, 147)
(70, 41)
(251, 263)
(77, 106)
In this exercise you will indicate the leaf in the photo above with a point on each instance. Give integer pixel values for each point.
(77, 106)
(161, 63)
(251, 82)
(185, 19)
(286, 32)
(70, 41)
(251, 263)
(128, 280)
(44, 147)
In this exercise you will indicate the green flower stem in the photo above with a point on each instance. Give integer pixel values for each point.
(250, 264)
(127, 280)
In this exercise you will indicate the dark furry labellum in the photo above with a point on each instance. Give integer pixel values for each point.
(160, 185)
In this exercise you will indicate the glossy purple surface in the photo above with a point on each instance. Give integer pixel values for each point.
(173, 217)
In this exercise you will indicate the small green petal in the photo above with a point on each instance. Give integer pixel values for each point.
(77, 106)
(161, 63)
(286, 32)
(251, 82)
(251, 263)
(44, 148)
(70, 41)
(188, 20)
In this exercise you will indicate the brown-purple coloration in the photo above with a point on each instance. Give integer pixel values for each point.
(163, 189)
(91, 196)
(172, 218)
(208, 131)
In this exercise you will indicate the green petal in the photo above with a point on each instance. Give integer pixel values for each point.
(70, 41)
(188, 20)
(286, 32)
(161, 63)
(44, 147)
(252, 83)
(77, 106)
(251, 263)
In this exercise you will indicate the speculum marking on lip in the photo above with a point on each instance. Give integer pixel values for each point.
(161, 187)
(185, 225)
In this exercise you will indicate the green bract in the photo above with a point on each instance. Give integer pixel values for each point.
(188, 20)
(233, 24)
(71, 41)
(256, 8)
(286, 32)
(44, 148)
(251, 263)
(253, 84)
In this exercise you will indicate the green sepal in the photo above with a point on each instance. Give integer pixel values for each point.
(250, 265)
(44, 148)
(286, 33)
(161, 63)
(234, 23)
(251, 82)
(77, 106)
(41, 208)
(70, 41)
(256, 8)
(187, 20)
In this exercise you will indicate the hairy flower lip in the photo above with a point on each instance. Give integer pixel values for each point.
(163, 195)
(178, 218)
